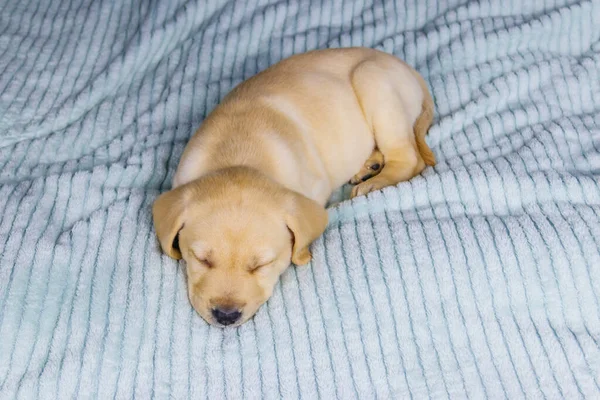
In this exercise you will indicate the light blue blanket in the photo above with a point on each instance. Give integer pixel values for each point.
(478, 279)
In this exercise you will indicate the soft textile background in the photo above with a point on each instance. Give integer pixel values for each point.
(479, 279)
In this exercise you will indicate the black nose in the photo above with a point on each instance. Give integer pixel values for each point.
(226, 316)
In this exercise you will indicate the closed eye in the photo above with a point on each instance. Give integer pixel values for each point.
(202, 260)
(260, 266)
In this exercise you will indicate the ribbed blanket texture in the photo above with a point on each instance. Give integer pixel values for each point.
(479, 279)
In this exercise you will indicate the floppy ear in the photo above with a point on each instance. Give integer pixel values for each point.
(168, 213)
(307, 220)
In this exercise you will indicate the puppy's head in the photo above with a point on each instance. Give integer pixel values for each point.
(237, 231)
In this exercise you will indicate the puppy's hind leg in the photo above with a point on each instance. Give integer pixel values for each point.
(391, 121)
(423, 123)
(371, 167)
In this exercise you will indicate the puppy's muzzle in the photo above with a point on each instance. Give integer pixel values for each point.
(226, 315)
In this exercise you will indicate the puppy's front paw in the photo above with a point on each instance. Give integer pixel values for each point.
(369, 186)
(302, 257)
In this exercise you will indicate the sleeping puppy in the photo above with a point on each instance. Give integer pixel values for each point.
(249, 192)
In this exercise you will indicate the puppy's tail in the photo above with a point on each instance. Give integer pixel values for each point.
(423, 123)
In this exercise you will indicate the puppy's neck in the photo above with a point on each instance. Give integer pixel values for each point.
(253, 137)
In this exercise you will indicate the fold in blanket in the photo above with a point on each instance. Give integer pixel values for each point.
(478, 279)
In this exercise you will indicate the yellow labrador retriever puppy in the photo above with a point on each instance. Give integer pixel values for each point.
(249, 193)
